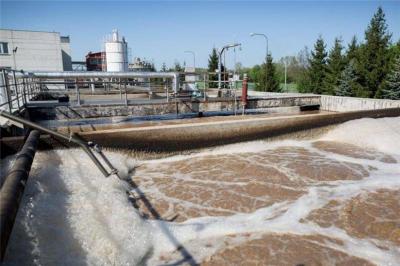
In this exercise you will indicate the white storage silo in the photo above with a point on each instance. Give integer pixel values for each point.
(116, 54)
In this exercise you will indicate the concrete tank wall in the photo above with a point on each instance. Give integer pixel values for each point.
(196, 135)
(181, 107)
(345, 104)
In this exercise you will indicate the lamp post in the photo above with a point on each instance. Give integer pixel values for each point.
(194, 58)
(220, 52)
(266, 55)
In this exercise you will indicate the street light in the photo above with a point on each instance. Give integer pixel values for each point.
(194, 58)
(266, 55)
(266, 39)
(220, 62)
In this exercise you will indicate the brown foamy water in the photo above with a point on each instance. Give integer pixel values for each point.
(332, 200)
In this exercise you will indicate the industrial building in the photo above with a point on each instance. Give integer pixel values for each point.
(34, 50)
(139, 65)
(96, 61)
(113, 58)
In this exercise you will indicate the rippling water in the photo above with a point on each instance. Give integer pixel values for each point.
(330, 200)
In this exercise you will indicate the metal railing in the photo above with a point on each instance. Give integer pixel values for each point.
(20, 89)
(16, 92)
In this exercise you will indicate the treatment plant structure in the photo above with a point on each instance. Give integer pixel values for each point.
(141, 167)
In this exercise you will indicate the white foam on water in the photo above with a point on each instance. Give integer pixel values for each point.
(72, 215)
(382, 134)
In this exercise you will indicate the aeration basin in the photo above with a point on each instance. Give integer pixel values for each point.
(279, 188)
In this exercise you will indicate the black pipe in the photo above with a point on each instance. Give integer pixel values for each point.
(72, 138)
(13, 187)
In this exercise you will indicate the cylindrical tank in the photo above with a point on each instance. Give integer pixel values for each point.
(116, 54)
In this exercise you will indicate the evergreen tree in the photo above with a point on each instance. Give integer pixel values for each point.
(164, 67)
(391, 88)
(213, 67)
(335, 66)
(375, 56)
(317, 70)
(348, 82)
(213, 64)
(271, 80)
(352, 50)
(177, 67)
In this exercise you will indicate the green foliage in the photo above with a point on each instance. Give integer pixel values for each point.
(352, 50)
(348, 82)
(391, 88)
(335, 65)
(271, 81)
(374, 61)
(213, 61)
(213, 64)
(318, 68)
(264, 76)
(361, 72)
(177, 67)
(213, 67)
(164, 67)
(369, 68)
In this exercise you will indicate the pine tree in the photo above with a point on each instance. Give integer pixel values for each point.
(177, 67)
(348, 82)
(213, 64)
(374, 62)
(352, 50)
(335, 66)
(164, 67)
(271, 80)
(317, 69)
(213, 67)
(391, 88)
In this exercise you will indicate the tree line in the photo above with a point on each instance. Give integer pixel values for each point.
(366, 69)
(362, 69)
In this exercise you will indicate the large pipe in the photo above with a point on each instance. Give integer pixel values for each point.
(98, 74)
(13, 187)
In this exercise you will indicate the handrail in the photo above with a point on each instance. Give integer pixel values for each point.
(86, 146)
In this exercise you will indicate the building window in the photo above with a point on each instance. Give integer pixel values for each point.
(3, 48)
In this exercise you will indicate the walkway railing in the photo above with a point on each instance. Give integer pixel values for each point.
(19, 89)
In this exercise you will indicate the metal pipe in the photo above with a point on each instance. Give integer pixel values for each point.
(78, 95)
(13, 187)
(7, 90)
(98, 74)
(72, 138)
(126, 94)
(16, 89)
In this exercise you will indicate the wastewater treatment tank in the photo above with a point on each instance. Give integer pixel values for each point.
(328, 196)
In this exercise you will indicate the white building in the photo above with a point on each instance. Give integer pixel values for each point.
(34, 50)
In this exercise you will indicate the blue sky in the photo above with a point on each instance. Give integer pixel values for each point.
(163, 30)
